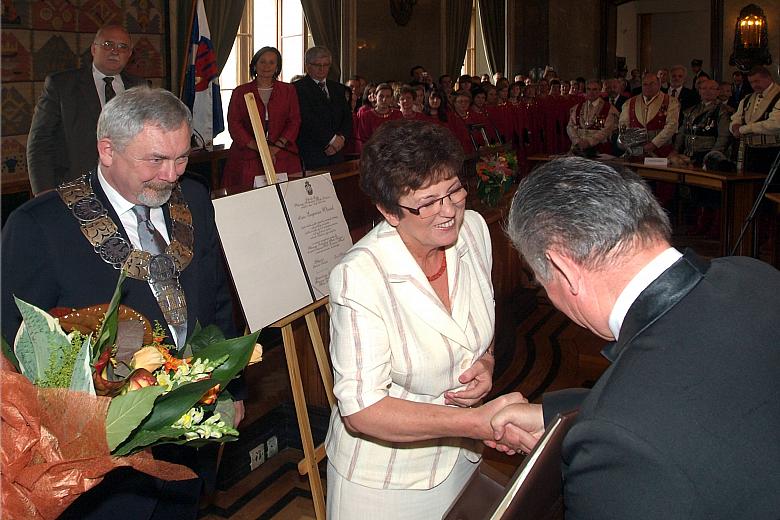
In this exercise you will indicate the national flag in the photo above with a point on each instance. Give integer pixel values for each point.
(201, 92)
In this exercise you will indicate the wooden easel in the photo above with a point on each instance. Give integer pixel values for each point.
(311, 455)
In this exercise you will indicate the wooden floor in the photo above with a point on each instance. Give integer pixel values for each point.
(550, 352)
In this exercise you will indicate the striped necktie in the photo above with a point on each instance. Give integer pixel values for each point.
(151, 239)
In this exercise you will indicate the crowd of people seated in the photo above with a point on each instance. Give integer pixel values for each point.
(685, 114)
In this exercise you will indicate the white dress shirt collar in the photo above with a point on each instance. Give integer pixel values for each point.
(124, 210)
(639, 283)
(100, 85)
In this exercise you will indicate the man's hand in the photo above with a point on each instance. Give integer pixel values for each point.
(478, 380)
(517, 427)
(649, 148)
(485, 412)
(735, 130)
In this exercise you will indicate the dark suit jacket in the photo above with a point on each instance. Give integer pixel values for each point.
(321, 118)
(47, 261)
(684, 423)
(738, 94)
(62, 143)
(619, 102)
(687, 99)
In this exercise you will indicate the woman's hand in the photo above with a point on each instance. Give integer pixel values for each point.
(478, 380)
(486, 412)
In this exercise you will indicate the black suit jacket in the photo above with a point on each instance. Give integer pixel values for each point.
(739, 93)
(619, 102)
(46, 261)
(687, 99)
(62, 144)
(322, 117)
(684, 423)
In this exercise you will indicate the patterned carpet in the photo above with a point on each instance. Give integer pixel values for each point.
(545, 351)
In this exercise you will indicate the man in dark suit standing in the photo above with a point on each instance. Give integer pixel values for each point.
(677, 89)
(615, 93)
(683, 424)
(141, 214)
(61, 143)
(740, 88)
(326, 119)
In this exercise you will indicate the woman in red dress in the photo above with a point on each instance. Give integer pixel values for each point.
(436, 107)
(407, 99)
(458, 120)
(370, 120)
(277, 104)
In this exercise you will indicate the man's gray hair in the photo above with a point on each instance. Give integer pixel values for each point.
(315, 53)
(125, 116)
(585, 209)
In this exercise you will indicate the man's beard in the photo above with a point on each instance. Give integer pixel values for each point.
(155, 193)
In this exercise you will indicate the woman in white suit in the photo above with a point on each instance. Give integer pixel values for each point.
(412, 324)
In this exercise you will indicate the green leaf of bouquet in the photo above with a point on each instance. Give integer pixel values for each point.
(202, 338)
(127, 411)
(9, 353)
(143, 438)
(239, 352)
(40, 342)
(107, 334)
(170, 407)
(81, 380)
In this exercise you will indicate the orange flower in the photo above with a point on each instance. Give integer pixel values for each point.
(140, 378)
(210, 396)
(171, 362)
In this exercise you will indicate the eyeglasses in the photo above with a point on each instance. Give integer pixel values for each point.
(433, 208)
(110, 46)
(320, 65)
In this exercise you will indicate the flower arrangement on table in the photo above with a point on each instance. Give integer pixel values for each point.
(95, 389)
(495, 175)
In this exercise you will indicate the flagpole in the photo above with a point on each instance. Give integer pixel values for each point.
(186, 62)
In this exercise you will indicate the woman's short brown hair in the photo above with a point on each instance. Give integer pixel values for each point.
(404, 156)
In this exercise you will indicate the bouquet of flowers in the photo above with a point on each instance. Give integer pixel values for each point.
(106, 388)
(495, 174)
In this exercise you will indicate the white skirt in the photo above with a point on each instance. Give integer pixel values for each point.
(349, 501)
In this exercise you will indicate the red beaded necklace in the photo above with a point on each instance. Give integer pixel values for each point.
(442, 269)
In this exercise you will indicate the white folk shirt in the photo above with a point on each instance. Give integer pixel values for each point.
(588, 114)
(646, 110)
(392, 336)
(749, 123)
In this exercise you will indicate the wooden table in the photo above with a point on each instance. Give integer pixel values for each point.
(738, 194)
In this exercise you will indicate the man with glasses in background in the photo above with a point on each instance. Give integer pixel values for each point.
(326, 118)
(61, 145)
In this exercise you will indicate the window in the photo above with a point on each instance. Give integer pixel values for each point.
(470, 60)
(274, 23)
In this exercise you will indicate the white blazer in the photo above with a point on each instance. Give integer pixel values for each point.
(392, 336)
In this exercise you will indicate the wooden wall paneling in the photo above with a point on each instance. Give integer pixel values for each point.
(645, 42)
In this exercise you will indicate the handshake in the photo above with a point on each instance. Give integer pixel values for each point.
(515, 425)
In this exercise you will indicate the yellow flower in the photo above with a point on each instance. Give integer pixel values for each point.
(257, 354)
(149, 358)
